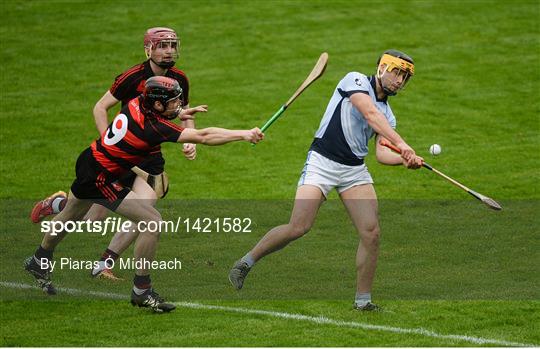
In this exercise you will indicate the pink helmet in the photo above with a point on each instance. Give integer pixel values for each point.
(157, 34)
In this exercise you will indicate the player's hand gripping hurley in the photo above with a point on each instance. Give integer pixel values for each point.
(486, 200)
(316, 73)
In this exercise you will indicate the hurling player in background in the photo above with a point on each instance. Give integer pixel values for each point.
(130, 140)
(161, 47)
(357, 111)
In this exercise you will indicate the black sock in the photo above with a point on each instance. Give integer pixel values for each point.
(142, 282)
(43, 253)
(40, 254)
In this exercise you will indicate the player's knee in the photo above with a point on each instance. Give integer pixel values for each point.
(371, 236)
(153, 227)
(149, 196)
(96, 213)
(150, 215)
(298, 230)
(155, 216)
(94, 217)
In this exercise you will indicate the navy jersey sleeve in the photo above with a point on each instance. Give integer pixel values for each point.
(160, 131)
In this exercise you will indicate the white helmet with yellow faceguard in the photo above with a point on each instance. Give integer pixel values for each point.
(401, 68)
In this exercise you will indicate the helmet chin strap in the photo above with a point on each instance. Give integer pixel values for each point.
(388, 92)
(173, 116)
(164, 65)
(159, 114)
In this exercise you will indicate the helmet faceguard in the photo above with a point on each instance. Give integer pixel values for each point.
(400, 64)
(164, 90)
(161, 37)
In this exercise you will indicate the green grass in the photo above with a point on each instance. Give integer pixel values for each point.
(447, 263)
(195, 327)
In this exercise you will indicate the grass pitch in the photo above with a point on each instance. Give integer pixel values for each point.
(448, 265)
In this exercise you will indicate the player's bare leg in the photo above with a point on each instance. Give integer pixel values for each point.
(75, 209)
(138, 210)
(39, 265)
(123, 239)
(306, 205)
(361, 204)
(96, 213)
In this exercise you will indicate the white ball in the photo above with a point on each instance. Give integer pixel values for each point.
(435, 149)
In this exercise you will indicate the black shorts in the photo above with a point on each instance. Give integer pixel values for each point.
(96, 184)
(154, 165)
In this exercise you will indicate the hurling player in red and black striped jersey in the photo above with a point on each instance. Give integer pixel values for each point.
(161, 48)
(140, 127)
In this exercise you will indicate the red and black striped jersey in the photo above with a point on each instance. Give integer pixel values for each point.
(130, 83)
(131, 138)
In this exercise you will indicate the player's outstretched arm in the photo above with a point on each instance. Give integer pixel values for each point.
(379, 123)
(218, 136)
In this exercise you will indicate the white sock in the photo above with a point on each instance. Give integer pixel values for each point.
(249, 260)
(139, 291)
(56, 204)
(362, 299)
(101, 265)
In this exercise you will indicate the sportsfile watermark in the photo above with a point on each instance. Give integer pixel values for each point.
(434, 246)
(180, 225)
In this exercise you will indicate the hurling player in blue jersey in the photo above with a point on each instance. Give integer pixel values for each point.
(357, 111)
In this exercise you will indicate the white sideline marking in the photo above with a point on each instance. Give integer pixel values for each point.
(71, 291)
(322, 320)
(340, 323)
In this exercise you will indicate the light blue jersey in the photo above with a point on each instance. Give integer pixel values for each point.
(344, 133)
